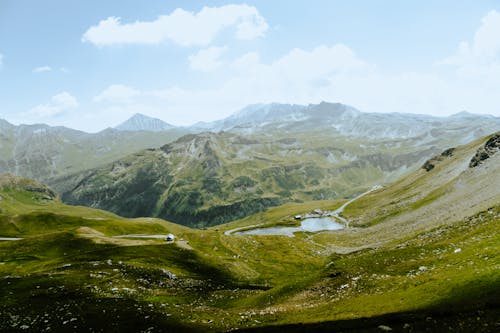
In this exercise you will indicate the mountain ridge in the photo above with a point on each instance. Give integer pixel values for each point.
(255, 113)
(46, 153)
(211, 178)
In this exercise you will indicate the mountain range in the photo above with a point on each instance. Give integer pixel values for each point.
(266, 155)
(211, 173)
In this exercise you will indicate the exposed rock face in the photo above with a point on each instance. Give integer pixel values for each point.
(431, 163)
(483, 153)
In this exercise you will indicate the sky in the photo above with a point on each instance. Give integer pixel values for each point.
(92, 64)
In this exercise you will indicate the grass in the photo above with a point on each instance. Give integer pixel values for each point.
(68, 273)
(243, 281)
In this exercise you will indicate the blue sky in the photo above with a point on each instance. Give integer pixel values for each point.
(92, 64)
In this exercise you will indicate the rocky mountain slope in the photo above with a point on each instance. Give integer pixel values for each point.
(347, 121)
(140, 122)
(455, 188)
(43, 152)
(206, 179)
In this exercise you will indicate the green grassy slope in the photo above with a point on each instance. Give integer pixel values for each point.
(412, 261)
(208, 179)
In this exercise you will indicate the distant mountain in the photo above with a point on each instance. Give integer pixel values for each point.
(267, 154)
(42, 152)
(348, 121)
(207, 178)
(140, 122)
(332, 131)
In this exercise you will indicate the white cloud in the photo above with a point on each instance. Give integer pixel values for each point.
(485, 45)
(299, 76)
(481, 56)
(42, 69)
(117, 93)
(181, 27)
(337, 74)
(246, 61)
(58, 105)
(207, 60)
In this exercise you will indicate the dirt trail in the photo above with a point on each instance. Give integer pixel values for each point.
(336, 213)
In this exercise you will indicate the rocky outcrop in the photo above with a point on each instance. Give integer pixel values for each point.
(483, 153)
(431, 163)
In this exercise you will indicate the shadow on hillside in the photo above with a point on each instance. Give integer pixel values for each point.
(453, 315)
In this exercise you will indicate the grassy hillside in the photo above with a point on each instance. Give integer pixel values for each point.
(208, 179)
(421, 255)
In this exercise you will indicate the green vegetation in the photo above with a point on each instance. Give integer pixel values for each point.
(422, 255)
(208, 179)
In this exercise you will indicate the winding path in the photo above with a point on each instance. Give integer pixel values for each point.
(336, 213)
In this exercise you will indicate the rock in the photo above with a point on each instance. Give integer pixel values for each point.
(431, 163)
(170, 275)
(448, 152)
(457, 250)
(428, 166)
(483, 153)
(422, 268)
(384, 328)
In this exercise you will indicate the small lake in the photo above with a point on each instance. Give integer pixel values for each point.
(310, 225)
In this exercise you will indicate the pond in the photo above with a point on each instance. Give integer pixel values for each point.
(309, 225)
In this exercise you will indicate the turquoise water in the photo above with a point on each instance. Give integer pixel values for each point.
(310, 225)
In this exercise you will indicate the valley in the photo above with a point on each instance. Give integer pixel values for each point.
(249, 166)
(420, 254)
(260, 157)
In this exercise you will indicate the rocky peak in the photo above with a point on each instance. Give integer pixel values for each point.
(140, 122)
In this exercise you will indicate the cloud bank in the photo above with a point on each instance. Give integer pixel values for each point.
(181, 27)
(207, 60)
(468, 79)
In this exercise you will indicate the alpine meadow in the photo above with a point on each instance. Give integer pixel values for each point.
(254, 166)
